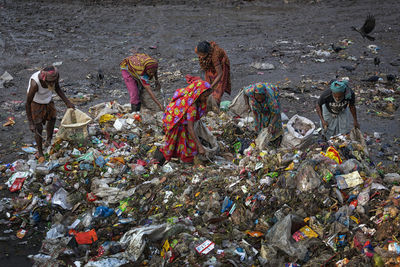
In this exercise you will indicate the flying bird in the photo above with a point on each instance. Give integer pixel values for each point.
(367, 28)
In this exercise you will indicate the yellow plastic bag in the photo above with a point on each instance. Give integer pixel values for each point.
(332, 153)
(106, 117)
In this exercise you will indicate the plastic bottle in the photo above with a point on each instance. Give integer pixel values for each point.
(122, 207)
(353, 205)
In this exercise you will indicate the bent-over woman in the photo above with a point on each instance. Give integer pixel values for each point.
(264, 101)
(187, 106)
(137, 71)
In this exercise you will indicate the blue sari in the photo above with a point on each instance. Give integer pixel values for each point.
(264, 112)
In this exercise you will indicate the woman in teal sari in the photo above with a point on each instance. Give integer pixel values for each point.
(263, 98)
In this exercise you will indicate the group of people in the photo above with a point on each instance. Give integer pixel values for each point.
(189, 104)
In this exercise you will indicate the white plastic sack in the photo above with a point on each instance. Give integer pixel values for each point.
(74, 126)
(299, 133)
(204, 133)
(238, 105)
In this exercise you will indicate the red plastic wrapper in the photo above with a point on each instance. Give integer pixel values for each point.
(17, 185)
(91, 197)
(21, 233)
(67, 167)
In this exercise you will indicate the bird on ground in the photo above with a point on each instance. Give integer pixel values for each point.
(335, 48)
(377, 61)
(395, 62)
(100, 76)
(367, 28)
(391, 78)
(350, 68)
(372, 79)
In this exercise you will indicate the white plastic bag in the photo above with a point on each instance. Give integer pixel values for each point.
(299, 133)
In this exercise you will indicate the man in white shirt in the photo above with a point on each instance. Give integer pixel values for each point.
(40, 107)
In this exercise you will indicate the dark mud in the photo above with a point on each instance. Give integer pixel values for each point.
(90, 35)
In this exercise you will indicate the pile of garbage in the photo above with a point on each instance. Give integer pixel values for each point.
(104, 201)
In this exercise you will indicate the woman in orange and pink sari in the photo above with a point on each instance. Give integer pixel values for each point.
(187, 106)
(215, 62)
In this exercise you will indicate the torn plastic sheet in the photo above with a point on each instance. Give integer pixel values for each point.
(113, 194)
(134, 242)
(60, 198)
(280, 236)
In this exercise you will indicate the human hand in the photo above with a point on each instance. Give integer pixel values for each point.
(32, 127)
(356, 125)
(248, 107)
(70, 105)
(325, 125)
(161, 107)
(271, 129)
(202, 151)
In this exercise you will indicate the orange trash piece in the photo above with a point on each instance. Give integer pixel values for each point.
(85, 238)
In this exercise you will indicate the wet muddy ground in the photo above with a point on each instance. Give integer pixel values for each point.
(83, 37)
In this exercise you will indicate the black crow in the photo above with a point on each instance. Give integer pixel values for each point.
(372, 79)
(391, 78)
(377, 61)
(100, 75)
(335, 48)
(368, 27)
